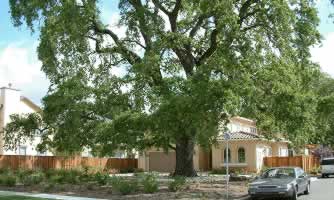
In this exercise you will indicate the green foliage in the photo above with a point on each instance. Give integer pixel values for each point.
(127, 170)
(48, 187)
(4, 171)
(177, 184)
(56, 179)
(8, 180)
(218, 171)
(150, 183)
(178, 76)
(33, 179)
(123, 186)
(101, 178)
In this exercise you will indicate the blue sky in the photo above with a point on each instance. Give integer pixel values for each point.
(19, 64)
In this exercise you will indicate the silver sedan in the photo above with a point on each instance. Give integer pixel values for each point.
(280, 182)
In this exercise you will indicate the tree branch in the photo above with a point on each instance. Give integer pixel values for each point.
(130, 56)
(243, 11)
(197, 26)
(137, 4)
(163, 9)
(171, 147)
(211, 49)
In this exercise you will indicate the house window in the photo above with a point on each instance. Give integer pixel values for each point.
(241, 155)
(225, 155)
(253, 130)
(40, 153)
(22, 150)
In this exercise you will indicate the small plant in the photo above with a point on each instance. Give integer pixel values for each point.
(138, 170)
(64, 176)
(22, 173)
(49, 173)
(101, 178)
(178, 184)
(150, 183)
(8, 180)
(5, 170)
(218, 171)
(33, 179)
(90, 186)
(122, 186)
(57, 179)
(48, 187)
(127, 170)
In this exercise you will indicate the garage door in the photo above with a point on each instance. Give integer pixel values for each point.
(162, 162)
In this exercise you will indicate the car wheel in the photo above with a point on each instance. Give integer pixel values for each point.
(294, 195)
(308, 189)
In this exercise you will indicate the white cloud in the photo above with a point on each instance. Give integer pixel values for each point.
(114, 25)
(20, 67)
(323, 55)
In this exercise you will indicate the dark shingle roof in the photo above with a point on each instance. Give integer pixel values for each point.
(241, 135)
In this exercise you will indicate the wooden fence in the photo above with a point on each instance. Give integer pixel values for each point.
(305, 162)
(59, 162)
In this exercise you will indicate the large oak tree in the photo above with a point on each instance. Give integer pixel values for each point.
(184, 67)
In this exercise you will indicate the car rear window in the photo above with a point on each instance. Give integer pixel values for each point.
(327, 162)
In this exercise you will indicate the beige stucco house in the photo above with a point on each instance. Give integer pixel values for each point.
(246, 151)
(12, 102)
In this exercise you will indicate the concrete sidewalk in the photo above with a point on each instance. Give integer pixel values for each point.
(45, 196)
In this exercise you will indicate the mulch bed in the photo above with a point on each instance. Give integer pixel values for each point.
(194, 191)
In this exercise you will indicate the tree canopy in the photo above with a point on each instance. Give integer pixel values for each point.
(181, 69)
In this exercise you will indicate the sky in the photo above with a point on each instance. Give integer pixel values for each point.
(20, 66)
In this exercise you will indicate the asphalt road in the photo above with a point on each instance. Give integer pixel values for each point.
(321, 189)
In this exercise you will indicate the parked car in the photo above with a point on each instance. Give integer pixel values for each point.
(327, 167)
(280, 182)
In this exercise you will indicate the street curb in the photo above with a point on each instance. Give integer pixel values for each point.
(45, 196)
(243, 198)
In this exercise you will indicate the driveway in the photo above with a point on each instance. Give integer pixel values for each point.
(321, 189)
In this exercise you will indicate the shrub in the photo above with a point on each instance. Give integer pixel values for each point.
(57, 179)
(8, 180)
(5, 170)
(50, 172)
(101, 178)
(150, 183)
(127, 170)
(64, 176)
(138, 170)
(22, 173)
(90, 186)
(33, 179)
(178, 184)
(218, 171)
(122, 186)
(48, 187)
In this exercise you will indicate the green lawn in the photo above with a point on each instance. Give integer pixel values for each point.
(19, 198)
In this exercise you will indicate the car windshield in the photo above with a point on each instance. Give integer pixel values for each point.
(327, 162)
(279, 173)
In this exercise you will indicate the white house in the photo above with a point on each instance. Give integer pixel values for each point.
(12, 102)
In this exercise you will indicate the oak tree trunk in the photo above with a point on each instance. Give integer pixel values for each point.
(184, 158)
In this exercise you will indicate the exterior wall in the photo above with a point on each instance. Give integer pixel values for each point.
(242, 124)
(13, 103)
(248, 145)
(144, 158)
(252, 163)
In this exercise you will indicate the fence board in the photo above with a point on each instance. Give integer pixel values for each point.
(305, 162)
(58, 162)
